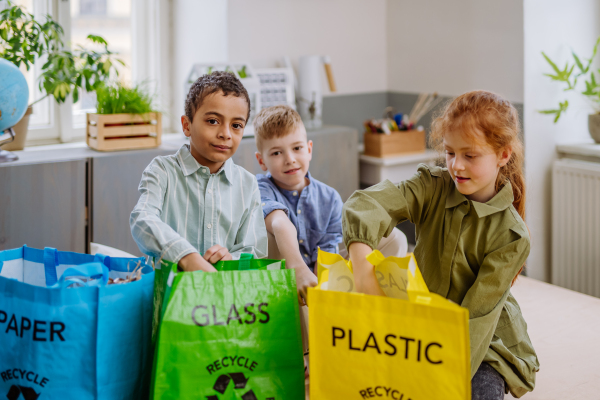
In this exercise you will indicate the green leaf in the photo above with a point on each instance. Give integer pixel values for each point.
(561, 75)
(97, 39)
(590, 87)
(558, 112)
(552, 64)
(579, 64)
(75, 94)
(106, 67)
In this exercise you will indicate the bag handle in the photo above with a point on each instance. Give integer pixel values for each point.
(89, 270)
(244, 261)
(102, 259)
(50, 263)
(375, 257)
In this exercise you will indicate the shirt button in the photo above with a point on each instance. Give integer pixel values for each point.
(204, 170)
(263, 204)
(209, 190)
(295, 194)
(299, 211)
(209, 226)
(305, 255)
(300, 241)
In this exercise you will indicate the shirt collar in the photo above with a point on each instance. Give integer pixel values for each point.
(189, 165)
(501, 201)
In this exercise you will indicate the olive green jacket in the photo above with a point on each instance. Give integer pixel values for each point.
(468, 252)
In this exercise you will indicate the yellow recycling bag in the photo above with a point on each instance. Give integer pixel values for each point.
(363, 346)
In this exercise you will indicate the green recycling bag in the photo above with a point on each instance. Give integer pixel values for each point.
(230, 335)
(163, 269)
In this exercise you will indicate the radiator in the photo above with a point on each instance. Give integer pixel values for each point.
(576, 226)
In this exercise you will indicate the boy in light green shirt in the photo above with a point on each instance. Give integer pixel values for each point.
(197, 207)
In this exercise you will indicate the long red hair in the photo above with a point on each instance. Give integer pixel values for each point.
(498, 120)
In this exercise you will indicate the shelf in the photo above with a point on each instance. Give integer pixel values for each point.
(583, 151)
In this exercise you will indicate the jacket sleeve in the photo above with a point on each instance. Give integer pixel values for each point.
(152, 235)
(371, 214)
(486, 297)
(252, 234)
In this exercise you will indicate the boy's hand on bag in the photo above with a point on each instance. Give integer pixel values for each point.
(217, 253)
(195, 262)
(304, 279)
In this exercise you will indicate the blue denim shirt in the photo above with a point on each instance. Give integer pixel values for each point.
(316, 213)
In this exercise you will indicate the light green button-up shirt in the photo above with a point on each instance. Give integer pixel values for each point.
(468, 252)
(183, 209)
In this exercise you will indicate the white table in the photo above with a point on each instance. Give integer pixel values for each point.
(397, 168)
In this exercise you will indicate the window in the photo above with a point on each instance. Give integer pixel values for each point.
(122, 23)
(42, 122)
(111, 19)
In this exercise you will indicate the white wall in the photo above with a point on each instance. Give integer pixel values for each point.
(374, 45)
(351, 32)
(199, 32)
(455, 46)
(555, 27)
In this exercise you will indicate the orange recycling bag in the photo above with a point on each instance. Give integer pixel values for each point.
(413, 347)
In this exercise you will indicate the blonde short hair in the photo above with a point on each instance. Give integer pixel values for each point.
(275, 122)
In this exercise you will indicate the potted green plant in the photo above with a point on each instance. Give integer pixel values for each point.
(25, 40)
(125, 119)
(570, 77)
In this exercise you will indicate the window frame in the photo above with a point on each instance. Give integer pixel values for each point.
(150, 36)
(47, 131)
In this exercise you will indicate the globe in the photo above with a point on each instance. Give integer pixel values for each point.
(14, 95)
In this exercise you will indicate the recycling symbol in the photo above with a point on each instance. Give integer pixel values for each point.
(16, 391)
(239, 382)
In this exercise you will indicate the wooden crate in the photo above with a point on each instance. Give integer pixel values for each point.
(382, 145)
(108, 132)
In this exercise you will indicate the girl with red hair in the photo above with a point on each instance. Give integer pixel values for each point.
(472, 241)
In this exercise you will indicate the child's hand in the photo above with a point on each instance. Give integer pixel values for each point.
(304, 279)
(195, 262)
(363, 271)
(217, 253)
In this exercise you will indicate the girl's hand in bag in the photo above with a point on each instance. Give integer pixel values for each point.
(364, 272)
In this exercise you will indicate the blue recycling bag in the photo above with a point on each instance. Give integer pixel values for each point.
(66, 334)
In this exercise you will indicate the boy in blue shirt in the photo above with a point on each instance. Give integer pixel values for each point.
(301, 214)
(197, 207)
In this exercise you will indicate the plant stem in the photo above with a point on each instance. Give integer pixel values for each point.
(38, 100)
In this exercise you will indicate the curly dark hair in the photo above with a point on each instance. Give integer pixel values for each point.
(225, 82)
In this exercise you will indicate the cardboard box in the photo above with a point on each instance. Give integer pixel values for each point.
(382, 145)
(108, 132)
